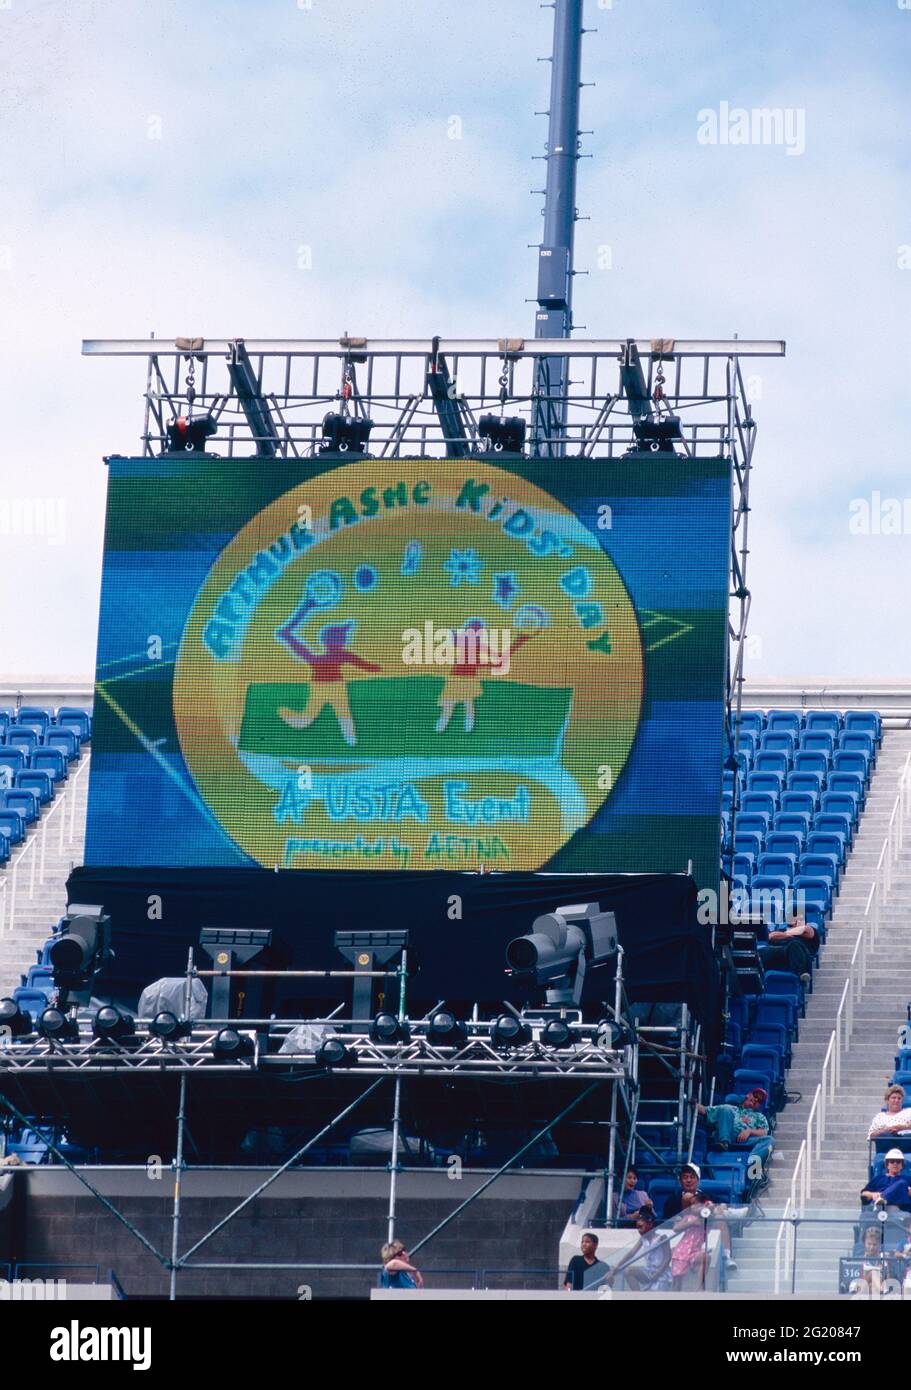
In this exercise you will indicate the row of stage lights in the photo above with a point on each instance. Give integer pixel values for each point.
(344, 434)
(443, 1029)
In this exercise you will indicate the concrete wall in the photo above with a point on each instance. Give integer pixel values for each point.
(336, 1216)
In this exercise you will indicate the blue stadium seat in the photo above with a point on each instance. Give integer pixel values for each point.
(26, 802)
(794, 823)
(742, 867)
(26, 739)
(784, 719)
(778, 741)
(777, 1008)
(79, 720)
(785, 842)
(770, 1035)
(763, 780)
(858, 741)
(823, 719)
(859, 763)
(811, 762)
(50, 760)
(829, 843)
(727, 801)
(31, 1001)
(65, 740)
(752, 720)
(818, 741)
(838, 804)
(5, 848)
(746, 1078)
(783, 982)
(13, 758)
(798, 801)
(762, 803)
(777, 865)
(41, 783)
(821, 866)
(865, 721)
(12, 823)
(746, 748)
(834, 823)
(659, 1190)
(33, 717)
(731, 1161)
(775, 764)
(753, 823)
(848, 782)
(779, 884)
(722, 1188)
(815, 891)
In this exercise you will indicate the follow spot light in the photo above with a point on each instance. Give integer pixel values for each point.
(190, 435)
(345, 434)
(559, 947)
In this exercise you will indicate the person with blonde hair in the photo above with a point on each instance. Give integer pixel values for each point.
(896, 1118)
(398, 1271)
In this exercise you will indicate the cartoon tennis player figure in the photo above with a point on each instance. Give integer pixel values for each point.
(463, 686)
(328, 685)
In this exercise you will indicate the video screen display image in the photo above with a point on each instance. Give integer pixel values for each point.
(412, 664)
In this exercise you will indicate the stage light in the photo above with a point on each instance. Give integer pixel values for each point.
(229, 1045)
(167, 1026)
(345, 434)
(79, 953)
(445, 1030)
(387, 1028)
(612, 1035)
(557, 1033)
(54, 1024)
(334, 1053)
(509, 1031)
(657, 435)
(559, 947)
(187, 435)
(503, 436)
(110, 1025)
(14, 1019)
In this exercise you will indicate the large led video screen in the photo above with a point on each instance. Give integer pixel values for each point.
(354, 663)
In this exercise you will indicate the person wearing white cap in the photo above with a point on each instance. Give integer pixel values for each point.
(890, 1188)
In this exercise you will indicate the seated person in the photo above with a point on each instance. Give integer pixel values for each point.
(632, 1198)
(740, 1124)
(895, 1119)
(791, 948)
(890, 1187)
(874, 1268)
(647, 1267)
(690, 1178)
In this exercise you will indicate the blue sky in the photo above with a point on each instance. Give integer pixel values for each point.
(283, 125)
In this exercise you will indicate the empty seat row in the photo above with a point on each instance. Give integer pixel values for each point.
(50, 760)
(864, 721)
(34, 717)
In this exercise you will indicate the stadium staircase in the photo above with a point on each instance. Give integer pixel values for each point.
(865, 1068)
(36, 915)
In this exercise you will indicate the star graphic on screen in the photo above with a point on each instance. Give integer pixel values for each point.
(505, 589)
(463, 565)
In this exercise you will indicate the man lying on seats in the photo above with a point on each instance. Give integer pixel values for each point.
(792, 948)
(741, 1124)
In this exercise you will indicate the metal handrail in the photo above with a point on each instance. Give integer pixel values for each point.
(843, 1031)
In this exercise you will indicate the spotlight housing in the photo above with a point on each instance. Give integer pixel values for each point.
(110, 1025)
(57, 1026)
(557, 1033)
(509, 1031)
(15, 1019)
(658, 435)
(167, 1026)
(334, 1053)
(186, 435)
(506, 436)
(345, 434)
(445, 1030)
(80, 952)
(229, 1045)
(388, 1028)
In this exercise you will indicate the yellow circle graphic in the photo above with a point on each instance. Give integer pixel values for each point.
(409, 664)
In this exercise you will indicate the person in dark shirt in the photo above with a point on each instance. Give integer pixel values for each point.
(890, 1187)
(585, 1271)
(690, 1178)
(791, 948)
